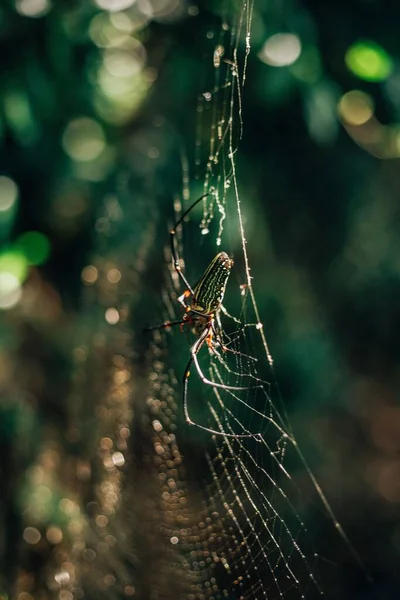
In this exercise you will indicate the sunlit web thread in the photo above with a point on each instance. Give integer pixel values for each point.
(216, 376)
(208, 211)
(266, 418)
(280, 421)
(223, 126)
(215, 123)
(237, 400)
(271, 536)
(268, 506)
(239, 358)
(256, 548)
(228, 413)
(239, 83)
(228, 167)
(249, 17)
(239, 212)
(232, 516)
(220, 125)
(222, 212)
(318, 488)
(251, 293)
(271, 509)
(252, 491)
(238, 366)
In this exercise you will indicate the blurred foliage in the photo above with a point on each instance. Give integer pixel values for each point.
(98, 117)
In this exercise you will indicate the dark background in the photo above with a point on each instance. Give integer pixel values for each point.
(321, 204)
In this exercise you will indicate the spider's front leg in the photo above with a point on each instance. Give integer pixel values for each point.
(182, 297)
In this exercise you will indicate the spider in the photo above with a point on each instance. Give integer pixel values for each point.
(202, 305)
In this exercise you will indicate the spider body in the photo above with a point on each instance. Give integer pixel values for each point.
(202, 315)
(209, 292)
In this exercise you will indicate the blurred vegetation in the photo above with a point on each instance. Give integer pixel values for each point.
(98, 118)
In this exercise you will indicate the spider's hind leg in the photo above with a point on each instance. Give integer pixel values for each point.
(256, 437)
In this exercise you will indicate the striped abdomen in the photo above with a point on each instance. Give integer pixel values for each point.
(209, 292)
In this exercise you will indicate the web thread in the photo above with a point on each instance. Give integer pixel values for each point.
(247, 538)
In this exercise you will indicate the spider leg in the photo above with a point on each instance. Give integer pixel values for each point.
(164, 325)
(174, 251)
(223, 386)
(227, 314)
(182, 297)
(194, 352)
(220, 329)
(208, 429)
(193, 358)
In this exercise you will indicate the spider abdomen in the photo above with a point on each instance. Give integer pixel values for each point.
(209, 292)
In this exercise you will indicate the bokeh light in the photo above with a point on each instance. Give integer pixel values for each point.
(114, 5)
(356, 107)
(62, 578)
(112, 316)
(89, 275)
(281, 50)
(113, 30)
(32, 8)
(356, 112)
(35, 246)
(118, 459)
(114, 275)
(54, 534)
(122, 21)
(83, 139)
(31, 535)
(122, 63)
(10, 290)
(121, 82)
(15, 262)
(369, 61)
(13, 271)
(121, 79)
(19, 115)
(8, 193)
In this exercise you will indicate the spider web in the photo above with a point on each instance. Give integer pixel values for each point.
(235, 512)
